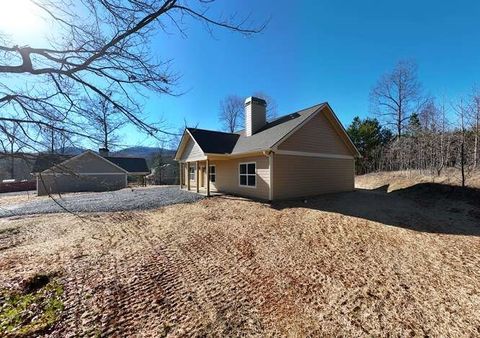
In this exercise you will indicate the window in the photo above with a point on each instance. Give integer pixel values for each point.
(213, 174)
(248, 177)
(191, 173)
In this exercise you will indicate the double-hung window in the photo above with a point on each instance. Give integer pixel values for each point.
(248, 177)
(213, 174)
(191, 173)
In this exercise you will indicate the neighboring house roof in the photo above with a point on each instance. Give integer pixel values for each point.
(214, 142)
(46, 161)
(129, 164)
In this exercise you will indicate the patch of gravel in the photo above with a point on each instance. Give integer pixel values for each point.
(121, 200)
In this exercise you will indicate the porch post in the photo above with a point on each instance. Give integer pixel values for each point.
(208, 177)
(180, 174)
(188, 175)
(197, 181)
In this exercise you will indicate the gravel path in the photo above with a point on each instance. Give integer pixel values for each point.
(121, 200)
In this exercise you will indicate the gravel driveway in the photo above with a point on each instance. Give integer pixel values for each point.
(121, 200)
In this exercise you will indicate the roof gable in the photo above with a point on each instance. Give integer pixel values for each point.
(188, 148)
(86, 162)
(317, 135)
(63, 163)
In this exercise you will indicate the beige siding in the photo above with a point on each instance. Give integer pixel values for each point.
(87, 163)
(227, 179)
(192, 152)
(299, 176)
(317, 136)
(62, 183)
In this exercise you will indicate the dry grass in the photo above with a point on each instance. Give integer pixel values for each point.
(7, 199)
(230, 267)
(404, 179)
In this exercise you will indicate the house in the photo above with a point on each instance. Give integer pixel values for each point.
(301, 154)
(87, 171)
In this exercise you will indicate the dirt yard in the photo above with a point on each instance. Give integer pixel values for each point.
(368, 262)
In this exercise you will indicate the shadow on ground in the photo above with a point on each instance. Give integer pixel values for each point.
(427, 207)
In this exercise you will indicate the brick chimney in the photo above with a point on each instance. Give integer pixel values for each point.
(255, 115)
(103, 152)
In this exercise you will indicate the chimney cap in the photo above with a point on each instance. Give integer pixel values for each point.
(256, 100)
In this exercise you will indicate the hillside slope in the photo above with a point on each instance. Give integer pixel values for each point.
(404, 179)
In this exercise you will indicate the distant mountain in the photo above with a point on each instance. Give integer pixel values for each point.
(145, 152)
(138, 151)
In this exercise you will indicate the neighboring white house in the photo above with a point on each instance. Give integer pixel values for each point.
(88, 171)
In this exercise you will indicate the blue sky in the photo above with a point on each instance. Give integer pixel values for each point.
(314, 51)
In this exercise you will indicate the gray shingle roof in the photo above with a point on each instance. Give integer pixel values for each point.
(130, 164)
(273, 131)
(214, 142)
(46, 161)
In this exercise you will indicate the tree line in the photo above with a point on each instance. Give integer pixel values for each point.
(411, 130)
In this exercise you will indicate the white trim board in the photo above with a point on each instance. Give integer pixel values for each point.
(270, 167)
(304, 153)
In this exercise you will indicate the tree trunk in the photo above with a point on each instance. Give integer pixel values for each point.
(12, 166)
(462, 163)
(475, 146)
(52, 145)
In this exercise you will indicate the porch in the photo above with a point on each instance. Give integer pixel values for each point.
(199, 176)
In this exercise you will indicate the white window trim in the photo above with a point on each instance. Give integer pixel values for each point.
(210, 173)
(247, 186)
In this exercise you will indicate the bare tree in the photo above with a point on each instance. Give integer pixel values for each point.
(397, 95)
(11, 143)
(475, 124)
(231, 114)
(272, 107)
(461, 111)
(445, 138)
(96, 47)
(55, 139)
(104, 121)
